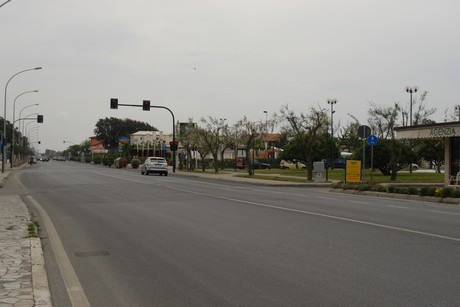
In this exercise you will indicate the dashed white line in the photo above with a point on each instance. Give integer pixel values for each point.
(433, 235)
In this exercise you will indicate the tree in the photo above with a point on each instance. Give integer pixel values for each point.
(305, 128)
(383, 120)
(110, 129)
(249, 133)
(348, 136)
(210, 138)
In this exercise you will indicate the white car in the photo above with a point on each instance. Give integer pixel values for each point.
(157, 165)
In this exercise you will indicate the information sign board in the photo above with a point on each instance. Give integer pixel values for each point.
(353, 171)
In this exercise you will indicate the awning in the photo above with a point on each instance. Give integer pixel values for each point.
(442, 130)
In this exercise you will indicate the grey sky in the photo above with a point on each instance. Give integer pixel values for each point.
(224, 59)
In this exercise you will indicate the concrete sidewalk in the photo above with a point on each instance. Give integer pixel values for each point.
(23, 279)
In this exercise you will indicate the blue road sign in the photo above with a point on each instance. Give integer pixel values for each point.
(372, 140)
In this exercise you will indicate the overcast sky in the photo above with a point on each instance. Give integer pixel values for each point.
(224, 59)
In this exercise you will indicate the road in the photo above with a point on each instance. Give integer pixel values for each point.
(134, 240)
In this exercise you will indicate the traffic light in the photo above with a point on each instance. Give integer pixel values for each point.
(40, 119)
(173, 145)
(146, 105)
(114, 103)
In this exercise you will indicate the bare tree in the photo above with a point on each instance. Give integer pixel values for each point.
(305, 128)
(210, 138)
(248, 132)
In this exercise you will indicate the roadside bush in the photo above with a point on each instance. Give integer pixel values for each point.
(336, 186)
(378, 188)
(135, 163)
(391, 189)
(446, 192)
(423, 191)
(97, 160)
(412, 191)
(363, 187)
(107, 161)
(456, 193)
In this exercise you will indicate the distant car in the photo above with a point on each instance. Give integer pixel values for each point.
(294, 164)
(157, 165)
(337, 164)
(261, 165)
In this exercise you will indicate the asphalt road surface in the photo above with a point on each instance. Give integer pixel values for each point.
(133, 240)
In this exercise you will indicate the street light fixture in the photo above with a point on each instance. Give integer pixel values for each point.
(4, 113)
(4, 3)
(457, 111)
(21, 129)
(411, 90)
(266, 133)
(14, 115)
(332, 102)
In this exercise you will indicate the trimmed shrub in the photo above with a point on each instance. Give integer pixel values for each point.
(135, 163)
(412, 191)
(456, 193)
(423, 191)
(391, 189)
(378, 188)
(446, 192)
(97, 160)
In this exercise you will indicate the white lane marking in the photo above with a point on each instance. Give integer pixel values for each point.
(76, 294)
(445, 212)
(318, 214)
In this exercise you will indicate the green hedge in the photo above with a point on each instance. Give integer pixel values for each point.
(408, 190)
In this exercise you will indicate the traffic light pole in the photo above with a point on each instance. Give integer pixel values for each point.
(174, 134)
(114, 105)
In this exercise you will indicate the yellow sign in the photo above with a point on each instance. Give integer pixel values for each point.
(353, 171)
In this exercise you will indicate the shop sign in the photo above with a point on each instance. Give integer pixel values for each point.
(443, 132)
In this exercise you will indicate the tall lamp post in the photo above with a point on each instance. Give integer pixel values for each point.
(4, 114)
(266, 133)
(21, 129)
(332, 102)
(411, 90)
(14, 115)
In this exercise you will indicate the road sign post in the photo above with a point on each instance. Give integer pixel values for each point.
(372, 140)
(363, 132)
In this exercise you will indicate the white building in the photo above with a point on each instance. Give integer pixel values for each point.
(151, 138)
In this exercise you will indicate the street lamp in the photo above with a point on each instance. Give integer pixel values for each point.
(21, 129)
(457, 111)
(332, 102)
(4, 3)
(266, 131)
(14, 115)
(4, 113)
(411, 90)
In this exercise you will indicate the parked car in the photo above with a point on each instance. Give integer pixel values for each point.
(337, 163)
(157, 165)
(261, 165)
(241, 163)
(294, 164)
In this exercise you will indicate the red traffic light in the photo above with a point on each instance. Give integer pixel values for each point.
(146, 105)
(114, 103)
